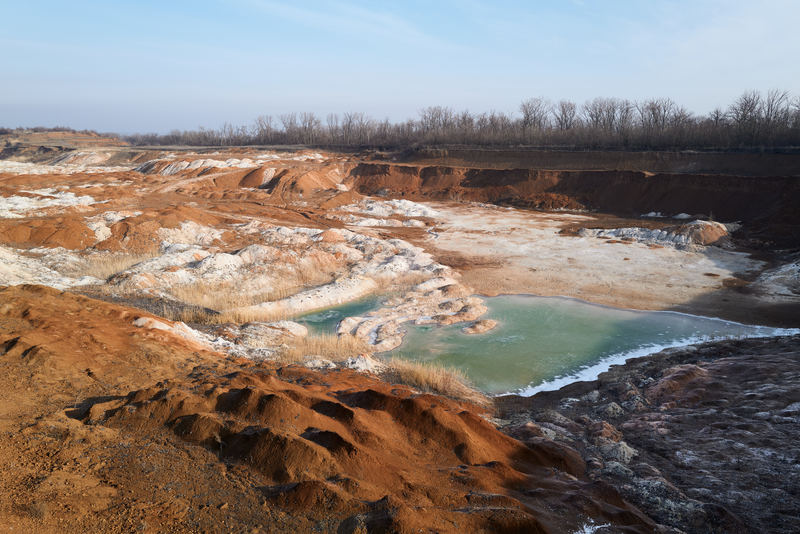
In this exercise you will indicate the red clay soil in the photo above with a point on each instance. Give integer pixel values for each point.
(68, 231)
(112, 428)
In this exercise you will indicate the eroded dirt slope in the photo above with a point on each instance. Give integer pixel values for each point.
(767, 203)
(111, 427)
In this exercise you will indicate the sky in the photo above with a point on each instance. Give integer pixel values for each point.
(152, 66)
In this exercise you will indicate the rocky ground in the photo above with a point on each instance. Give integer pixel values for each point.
(702, 439)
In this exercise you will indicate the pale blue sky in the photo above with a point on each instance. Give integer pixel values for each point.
(156, 65)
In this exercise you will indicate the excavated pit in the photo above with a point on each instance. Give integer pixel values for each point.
(249, 237)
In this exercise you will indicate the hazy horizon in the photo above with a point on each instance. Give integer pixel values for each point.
(153, 67)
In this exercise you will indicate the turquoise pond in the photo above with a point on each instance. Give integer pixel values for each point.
(325, 321)
(546, 342)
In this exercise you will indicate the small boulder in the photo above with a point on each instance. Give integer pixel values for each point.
(619, 451)
(612, 409)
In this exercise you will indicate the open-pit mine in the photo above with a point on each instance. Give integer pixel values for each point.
(254, 339)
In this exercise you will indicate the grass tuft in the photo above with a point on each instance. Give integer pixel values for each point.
(434, 378)
(328, 346)
(104, 266)
(200, 315)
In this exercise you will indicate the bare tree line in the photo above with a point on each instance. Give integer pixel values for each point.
(754, 120)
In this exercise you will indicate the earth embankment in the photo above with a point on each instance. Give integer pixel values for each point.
(766, 203)
(676, 162)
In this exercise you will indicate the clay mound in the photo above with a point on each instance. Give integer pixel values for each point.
(331, 235)
(359, 451)
(62, 335)
(140, 233)
(256, 178)
(679, 384)
(301, 181)
(345, 198)
(68, 231)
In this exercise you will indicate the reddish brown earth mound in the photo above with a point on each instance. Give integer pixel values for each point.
(68, 231)
(114, 428)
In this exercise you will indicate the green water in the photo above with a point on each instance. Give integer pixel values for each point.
(544, 343)
(325, 321)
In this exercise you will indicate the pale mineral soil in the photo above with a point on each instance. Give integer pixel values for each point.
(501, 250)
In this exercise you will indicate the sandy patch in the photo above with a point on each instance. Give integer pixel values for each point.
(523, 252)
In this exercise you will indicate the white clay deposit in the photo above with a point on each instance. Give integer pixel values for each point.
(685, 236)
(18, 206)
(387, 213)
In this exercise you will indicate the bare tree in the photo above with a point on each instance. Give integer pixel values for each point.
(775, 113)
(466, 126)
(535, 113)
(309, 127)
(290, 127)
(795, 113)
(745, 114)
(718, 117)
(363, 125)
(332, 125)
(623, 117)
(565, 115)
(654, 114)
(264, 129)
(592, 112)
(348, 128)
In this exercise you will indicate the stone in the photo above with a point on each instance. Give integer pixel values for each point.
(604, 430)
(612, 409)
(619, 451)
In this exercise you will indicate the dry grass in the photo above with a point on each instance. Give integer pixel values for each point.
(434, 378)
(328, 346)
(402, 281)
(222, 302)
(200, 315)
(104, 266)
(223, 296)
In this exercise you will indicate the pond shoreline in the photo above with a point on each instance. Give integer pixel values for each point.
(614, 335)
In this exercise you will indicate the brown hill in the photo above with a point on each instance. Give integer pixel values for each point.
(113, 428)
